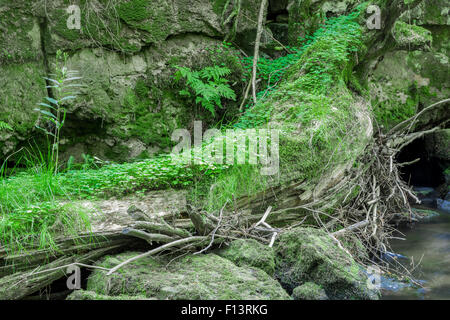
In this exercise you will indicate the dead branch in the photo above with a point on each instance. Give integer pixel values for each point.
(413, 119)
(257, 44)
(214, 231)
(162, 228)
(149, 237)
(179, 242)
(353, 227)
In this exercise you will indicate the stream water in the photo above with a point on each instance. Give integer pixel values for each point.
(427, 247)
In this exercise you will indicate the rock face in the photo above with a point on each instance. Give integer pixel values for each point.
(406, 80)
(438, 145)
(305, 255)
(192, 277)
(126, 53)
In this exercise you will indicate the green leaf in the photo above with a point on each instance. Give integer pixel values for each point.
(45, 105)
(51, 100)
(67, 98)
(44, 112)
(45, 130)
(52, 80)
(73, 78)
(4, 125)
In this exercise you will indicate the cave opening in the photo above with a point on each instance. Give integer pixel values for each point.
(426, 172)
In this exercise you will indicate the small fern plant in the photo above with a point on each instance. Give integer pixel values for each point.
(62, 86)
(5, 126)
(206, 86)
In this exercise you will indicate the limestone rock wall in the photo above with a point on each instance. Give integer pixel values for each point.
(404, 82)
(125, 50)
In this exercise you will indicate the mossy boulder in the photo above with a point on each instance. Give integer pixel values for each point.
(310, 255)
(249, 252)
(128, 107)
(90, 295)
(125, 53)
(130, 25)
(408, 36)
(192, 277)
(309, 291)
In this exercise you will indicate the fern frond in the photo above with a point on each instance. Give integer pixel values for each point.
(5, 126)
(208, 85)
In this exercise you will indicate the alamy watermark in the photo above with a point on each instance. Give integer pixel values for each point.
(374, 21)
(237, 146)
(74, 20)
(74, 281)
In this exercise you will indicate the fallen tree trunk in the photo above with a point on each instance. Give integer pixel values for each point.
(22, 284)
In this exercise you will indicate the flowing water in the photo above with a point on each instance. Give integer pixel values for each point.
(427, 246)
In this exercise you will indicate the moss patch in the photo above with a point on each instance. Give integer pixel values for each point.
(309, 291)
(249, 252)
(90, 295)
(310, 255)
(192, 278)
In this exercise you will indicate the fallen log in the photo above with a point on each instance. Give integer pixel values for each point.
(22, 284)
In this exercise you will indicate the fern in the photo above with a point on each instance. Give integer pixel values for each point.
(206, 86)
(5, 126)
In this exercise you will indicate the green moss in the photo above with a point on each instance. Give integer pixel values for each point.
(310, 255)
(61, 26)
(303, 20)
(218, 6)
(133, 11)
(148, 126)
(313, 109)
(423, 213)
(155, 20)
(309, 291)
(250, 252)
(411, 35)
(17, 102)
(141, 89)
(20, 33)
(89, 295)
(191, 277)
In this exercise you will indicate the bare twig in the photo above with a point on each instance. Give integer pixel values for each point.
(214, 231)
(157, 250)
(257, 44)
